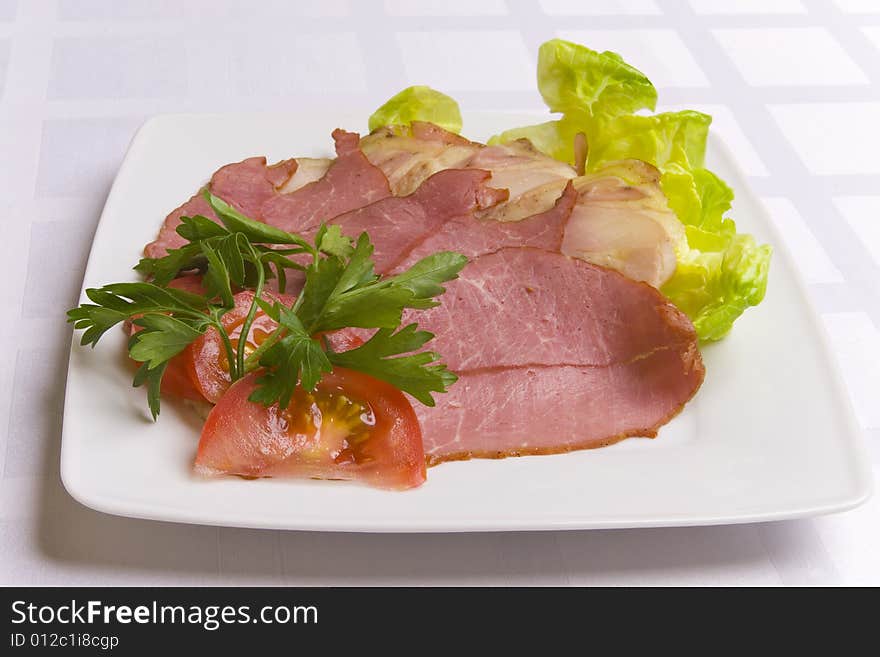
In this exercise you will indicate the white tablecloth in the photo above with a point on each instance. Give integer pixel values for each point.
(794, 86)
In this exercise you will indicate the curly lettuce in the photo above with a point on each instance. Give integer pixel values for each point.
(418, 103)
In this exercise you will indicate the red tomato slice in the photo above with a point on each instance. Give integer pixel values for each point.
(206, 361)
(176, 381)
(352, 427)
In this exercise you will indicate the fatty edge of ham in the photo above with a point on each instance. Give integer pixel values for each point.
(621, 219)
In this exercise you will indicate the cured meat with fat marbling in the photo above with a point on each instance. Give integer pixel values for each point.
(517, 411)
(350, 182)
(399, 223)
(245, 185)
(473, 237)
(272, 194)
(554, 354)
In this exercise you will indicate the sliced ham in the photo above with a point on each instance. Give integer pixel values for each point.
(245, 185)
(408, 156)
(555, 348)
(249, 185)
(351, 182)
(397, 224)
(517, 411)
(534, 180)
(621, 219)
(540, 308)
(282, 194)
(473, 238)
(552, 332)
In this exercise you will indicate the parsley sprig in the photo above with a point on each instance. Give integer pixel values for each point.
(341, 290)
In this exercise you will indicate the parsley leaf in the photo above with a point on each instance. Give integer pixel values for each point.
(339, 294)
(153, 379)
(417, 374)
(217, 281)
(163, 270)
(163, 338)
(331, 241)
(426, 275)
(121, 301)
(296, 358)
(255, 231)
(197, 228)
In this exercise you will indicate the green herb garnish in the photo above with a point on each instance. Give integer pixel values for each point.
(341, 290)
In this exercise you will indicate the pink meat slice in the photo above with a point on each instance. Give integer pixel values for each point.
(570, 355)
(473, 238)
(547, 410)
(351, 182)
(398, 223)
(254, 188)
(524, 306)
(245, 185)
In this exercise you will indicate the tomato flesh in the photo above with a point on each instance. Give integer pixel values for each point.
(351, 427)
(206, 360)
(176, 381)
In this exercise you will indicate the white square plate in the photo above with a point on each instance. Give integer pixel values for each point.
(770, 435)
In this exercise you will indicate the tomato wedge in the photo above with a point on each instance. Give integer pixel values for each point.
(351, 427)
(206, 361)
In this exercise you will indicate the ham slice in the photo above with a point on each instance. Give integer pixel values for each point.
(621, 219)
(351, 182)
(517, 411)
(534, 180)
(295, 195)
(408, 156)
(473, 238)
(550, 310)
(570, 356)
(245, 185)
(397, 224)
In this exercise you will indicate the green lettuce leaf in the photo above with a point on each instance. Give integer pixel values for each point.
(720, 273)
(418, 103)
(574, 78)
